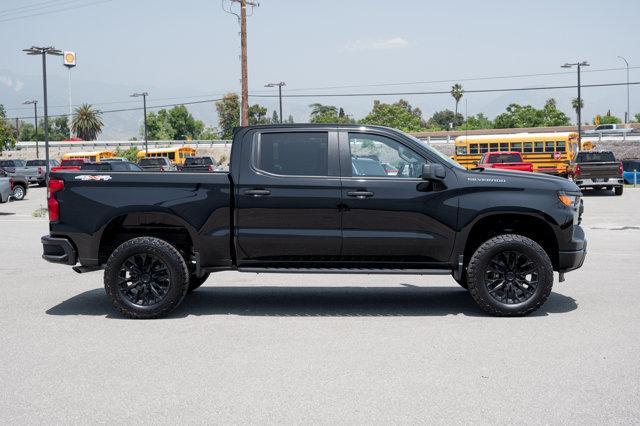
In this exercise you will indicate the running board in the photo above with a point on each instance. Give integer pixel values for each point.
(345, 271)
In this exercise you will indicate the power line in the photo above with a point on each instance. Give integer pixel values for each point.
(439, 92)
(36, 6)
(14, 18)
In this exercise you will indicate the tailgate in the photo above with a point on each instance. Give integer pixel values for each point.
(599, 170)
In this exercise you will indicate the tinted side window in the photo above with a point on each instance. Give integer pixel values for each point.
(294, 154)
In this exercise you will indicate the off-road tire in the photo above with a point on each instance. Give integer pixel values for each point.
(178, 277)
(196, 281)
(513, 243)
(618, 190)
(21, 192)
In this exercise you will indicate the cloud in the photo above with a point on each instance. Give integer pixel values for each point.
(6, 81)
(19, 85)
(378, 44)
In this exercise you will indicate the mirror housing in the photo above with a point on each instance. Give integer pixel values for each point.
(433, 172)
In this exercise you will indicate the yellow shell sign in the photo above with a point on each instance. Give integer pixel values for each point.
(69, 59)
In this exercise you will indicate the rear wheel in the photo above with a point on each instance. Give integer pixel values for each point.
(510, 275)
(146, 277)
(619, 190)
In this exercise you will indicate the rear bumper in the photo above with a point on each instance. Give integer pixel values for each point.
(568, 260)
(58, 250)
(583, 183)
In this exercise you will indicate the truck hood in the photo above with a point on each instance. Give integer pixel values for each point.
(497, 177)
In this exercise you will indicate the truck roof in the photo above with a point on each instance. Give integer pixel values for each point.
(310, 126)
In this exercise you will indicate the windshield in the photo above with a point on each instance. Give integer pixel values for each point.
(504, 158)
(72, 162)
(436, 153)
(36, 163)
(595, 157)
(152, 162)
(198, 161)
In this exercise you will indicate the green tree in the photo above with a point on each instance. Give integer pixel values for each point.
(257, 115)
(184, 126)
(457, 91)
(517, 116)
(400, 115)
(209, 134)
(289, 119)
(158, 126)
(130, 154)
(86, 122)
(637, 117)
(479, 121)
(445, 120)
(328, 114)
(7, 139)
(577, 105)
(228, 114)
(274, 118)
(607, 119)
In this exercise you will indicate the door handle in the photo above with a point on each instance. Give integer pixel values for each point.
(360, 194)
(257, 192)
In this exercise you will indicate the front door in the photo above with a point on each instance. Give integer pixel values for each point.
(288, 198)
(390, 214)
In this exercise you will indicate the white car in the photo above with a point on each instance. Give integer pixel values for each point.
(608, 129)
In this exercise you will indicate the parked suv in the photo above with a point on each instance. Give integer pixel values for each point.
(157, 164)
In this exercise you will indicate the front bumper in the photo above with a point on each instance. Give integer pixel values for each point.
(568, 260)
(58, 250)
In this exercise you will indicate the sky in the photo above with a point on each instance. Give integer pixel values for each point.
(188, 50)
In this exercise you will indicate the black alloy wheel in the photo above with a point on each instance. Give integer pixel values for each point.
(144, 279)
(511, 277)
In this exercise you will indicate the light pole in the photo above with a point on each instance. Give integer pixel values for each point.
(282, 83)
(626, 116)
(144, 106)
(44, 51)
(35, 122)
(578, 65)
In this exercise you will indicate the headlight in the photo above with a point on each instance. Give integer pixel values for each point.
(568, 199)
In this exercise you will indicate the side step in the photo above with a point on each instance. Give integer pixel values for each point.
(345, 271)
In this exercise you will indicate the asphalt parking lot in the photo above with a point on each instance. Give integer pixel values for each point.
(322, 348)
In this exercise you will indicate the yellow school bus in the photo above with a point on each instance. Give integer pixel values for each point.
(175, 154)
(89, 155)
(548, 152)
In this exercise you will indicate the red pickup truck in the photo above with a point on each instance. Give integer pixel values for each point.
(504, 160)
(70, 164)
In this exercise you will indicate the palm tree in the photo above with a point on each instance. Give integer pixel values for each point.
(457, 91)
(577, 105)
(87, 123)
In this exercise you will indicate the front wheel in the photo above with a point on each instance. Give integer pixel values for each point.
(619, 190)
(146, 277)
(510, 275)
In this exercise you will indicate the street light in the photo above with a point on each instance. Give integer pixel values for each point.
(144, 105)
(578, 65)
(626, 116)
(279, 85)
(44, 51)
(35, 120)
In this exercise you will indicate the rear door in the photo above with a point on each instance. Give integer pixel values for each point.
(399, 219)
(288, 197)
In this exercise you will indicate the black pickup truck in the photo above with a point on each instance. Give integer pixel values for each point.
(294, 201)
(597, 170)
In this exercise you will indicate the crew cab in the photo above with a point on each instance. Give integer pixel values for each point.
(298, 199)
(597, 170)
(504, 161)
(608, 129)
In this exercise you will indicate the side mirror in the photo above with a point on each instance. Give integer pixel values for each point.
(433, 172)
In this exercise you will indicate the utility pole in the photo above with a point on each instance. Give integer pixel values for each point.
(144, 106)
(35, 122)
(578, 65)
(626, 116)
(69, 61)
(279, 85)
(44, 51)
(242, 19)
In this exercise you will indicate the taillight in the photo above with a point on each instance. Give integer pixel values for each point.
(577, 171)
(11, 183)
(620, 168)
(211, 168)
(55, 185)
(39, 170)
